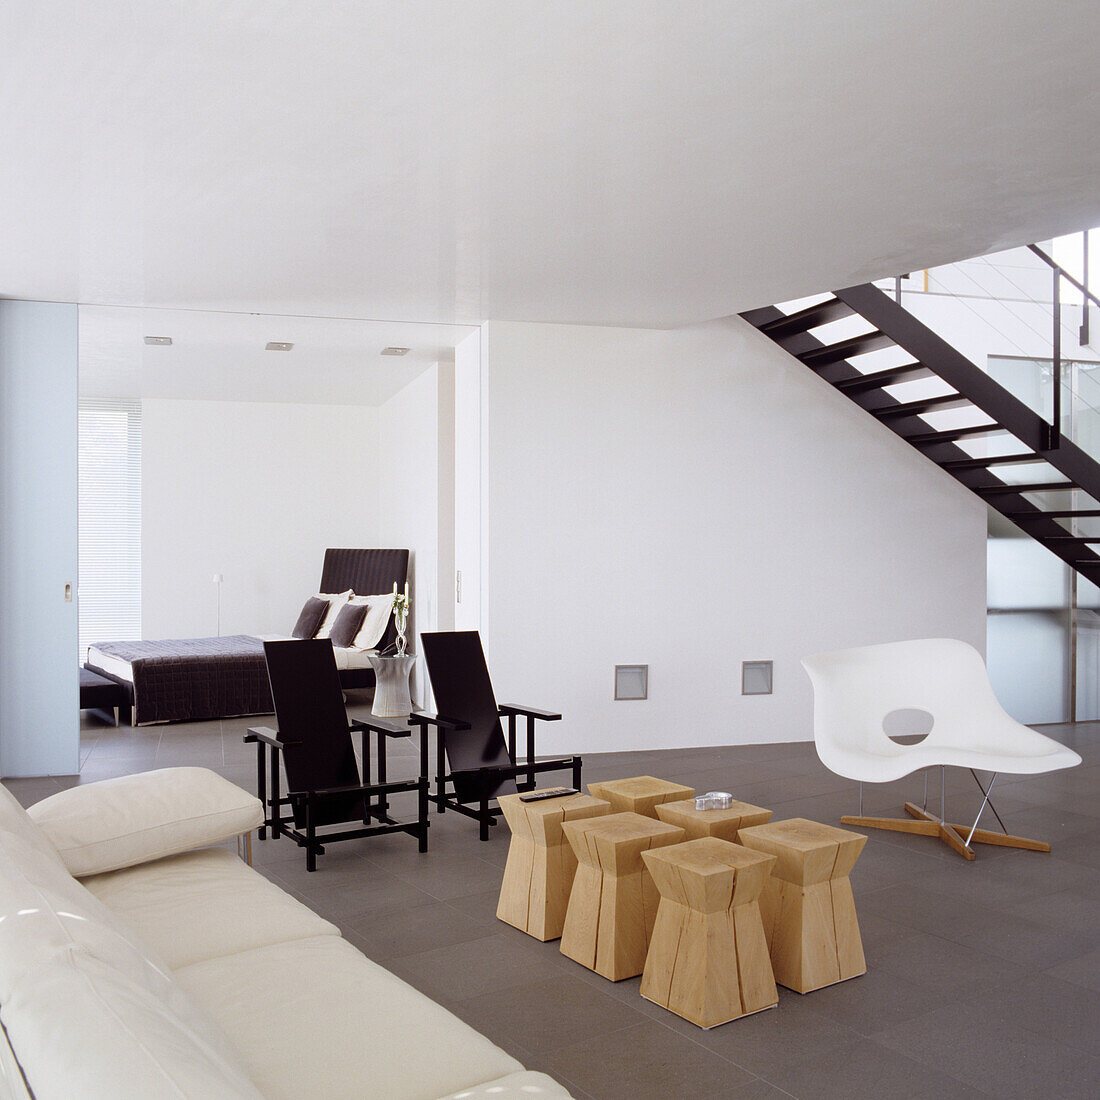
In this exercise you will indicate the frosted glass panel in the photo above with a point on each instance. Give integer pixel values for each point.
(1028, 630)
(1027, 653)
(1023, 573)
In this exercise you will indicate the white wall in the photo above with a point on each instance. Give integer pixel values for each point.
(691, 499)
(39, 704)
(408, 498)
(469, 454)
(255, 491)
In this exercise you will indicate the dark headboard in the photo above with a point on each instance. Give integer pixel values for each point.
(366, 573)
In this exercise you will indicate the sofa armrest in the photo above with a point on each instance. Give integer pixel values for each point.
(526, 1085)
(138, 818)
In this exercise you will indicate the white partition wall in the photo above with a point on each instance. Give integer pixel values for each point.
(469, 456)
(692, 499)
(39, 687)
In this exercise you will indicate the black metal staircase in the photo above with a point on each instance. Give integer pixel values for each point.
(1038, 441)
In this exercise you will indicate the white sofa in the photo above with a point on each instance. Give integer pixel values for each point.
(184, 973)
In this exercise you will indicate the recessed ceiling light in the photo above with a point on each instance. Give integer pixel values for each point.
(160, 341)
(395, 351)
(278, 345)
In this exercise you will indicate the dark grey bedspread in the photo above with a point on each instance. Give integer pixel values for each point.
(183, 679)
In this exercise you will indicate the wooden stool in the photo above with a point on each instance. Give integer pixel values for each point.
(614, 902)
(539, 873)
(640, 795)
(708, 957)
(807, 905)
(723, 824)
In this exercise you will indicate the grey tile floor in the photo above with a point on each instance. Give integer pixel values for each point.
(983, 978)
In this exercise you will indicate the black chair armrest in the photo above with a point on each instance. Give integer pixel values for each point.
(391, 727)
(423, 717)
(528, 712)
(267, 736)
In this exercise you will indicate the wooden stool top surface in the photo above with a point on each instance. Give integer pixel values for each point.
(685, 814)
(640, 786)
(615, 842)
(709, 874)
(639, 793)
(541, 821)
(708, 856)
(806, 851)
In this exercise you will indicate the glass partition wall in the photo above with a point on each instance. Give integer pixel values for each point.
(1016, 316)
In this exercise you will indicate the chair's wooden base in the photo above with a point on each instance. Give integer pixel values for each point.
(927, 824)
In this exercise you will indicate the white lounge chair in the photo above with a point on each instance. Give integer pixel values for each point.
(854, 691)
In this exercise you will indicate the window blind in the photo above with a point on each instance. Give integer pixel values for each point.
(109, 580)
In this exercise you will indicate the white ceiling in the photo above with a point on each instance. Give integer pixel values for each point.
(595, 161)
(221, 356)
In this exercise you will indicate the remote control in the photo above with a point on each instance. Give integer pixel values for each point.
(551, 792)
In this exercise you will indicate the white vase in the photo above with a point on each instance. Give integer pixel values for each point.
(391, 685)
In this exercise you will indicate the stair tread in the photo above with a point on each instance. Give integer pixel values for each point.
(854, 345)
(1057, 513)
(884, 378)
(1021, 459)
(1027, 487)
(951, 435)
(810, 317)
(928, 404)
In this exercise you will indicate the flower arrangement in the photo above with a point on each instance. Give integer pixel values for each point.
(401, 616)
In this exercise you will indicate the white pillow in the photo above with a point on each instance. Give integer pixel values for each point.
(379, 610)
(137, 818)
(336, 601)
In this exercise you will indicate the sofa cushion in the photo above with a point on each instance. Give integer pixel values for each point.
(356, 1028)
(527, 1085)
(80, 1027)
(122, 822)
(204, 904)
(44, 912)
(13, 1085)
(48, 922)
(17, 821)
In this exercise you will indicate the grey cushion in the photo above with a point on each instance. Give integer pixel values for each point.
(347, 624)
(309, 621)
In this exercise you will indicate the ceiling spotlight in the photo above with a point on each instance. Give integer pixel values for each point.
(159, 341)
(278, 345)
(395, 351)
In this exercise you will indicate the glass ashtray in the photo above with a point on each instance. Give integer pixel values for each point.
(714, 800)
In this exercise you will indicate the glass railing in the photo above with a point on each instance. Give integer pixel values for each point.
(1022, 318)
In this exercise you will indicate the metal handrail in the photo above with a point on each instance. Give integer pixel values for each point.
(1058, 272)
(1064, 273)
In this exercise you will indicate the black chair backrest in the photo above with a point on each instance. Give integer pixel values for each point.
(313, 724)
(463, 690)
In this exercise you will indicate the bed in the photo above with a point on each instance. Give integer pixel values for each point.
(189, 679)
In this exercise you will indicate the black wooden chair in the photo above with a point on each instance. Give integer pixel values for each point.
(482, 765)
(313, 740)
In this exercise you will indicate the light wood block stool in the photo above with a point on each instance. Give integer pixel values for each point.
(708, 957)
(640, 795)
(614, 901)
(723, 824)
(539, 873)
(807, 905)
